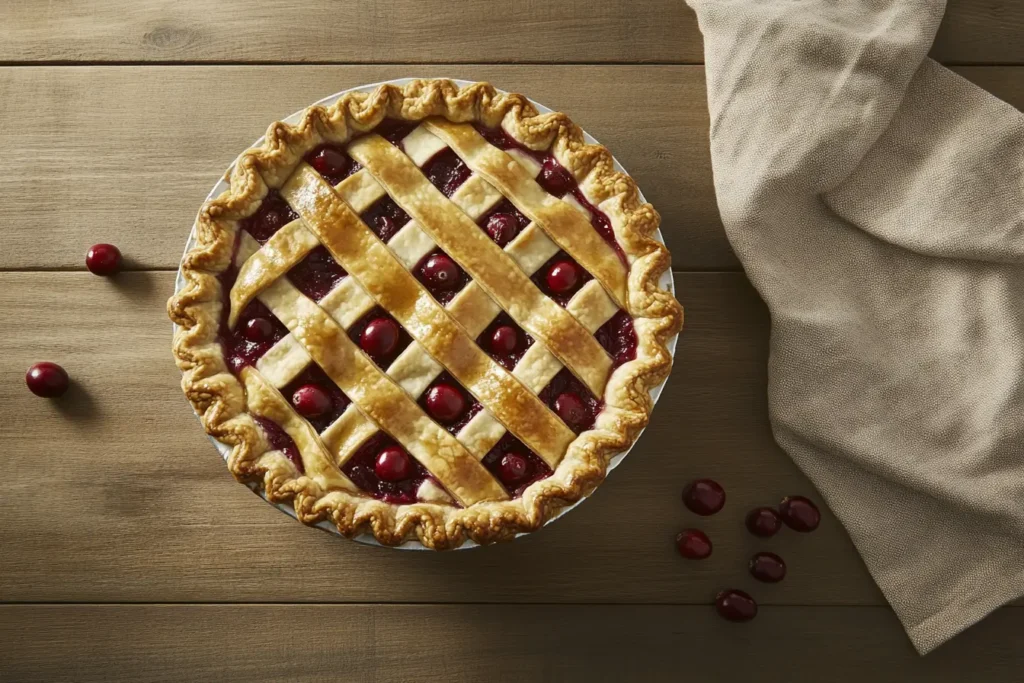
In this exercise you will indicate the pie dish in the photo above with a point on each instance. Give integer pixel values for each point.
(425, 313)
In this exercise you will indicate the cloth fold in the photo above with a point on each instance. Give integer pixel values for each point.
(876, 201)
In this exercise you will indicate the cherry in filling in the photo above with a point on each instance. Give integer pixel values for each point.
(316, 274)
(505, 341)
(618, 337)
(256, 332)
(561, 277)
(316, 397)
(442, 277)
(503, 222)
(272, 215)
(380, 336)
(572, 401)
(385, 471)
(332, 162)
(446, 171)
(515, 465)
(449, 403)
(280, 441)
(385, 218)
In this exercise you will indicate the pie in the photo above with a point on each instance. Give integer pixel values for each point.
(425, 313)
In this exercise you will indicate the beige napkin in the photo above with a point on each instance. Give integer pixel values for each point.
(876, 200)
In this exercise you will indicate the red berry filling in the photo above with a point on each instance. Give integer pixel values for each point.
(514, 465)
(385, 218)
(257, 331)
(365, 467)
(280, 441)
(572, 401)
(554, 177)
(442, 277)
(600, 221)
(332, 162)
(316, 397)
(316, 274)
(505, 341)
(446, 171)
(447, 402)
(704, 496)
(618, 337)
(380, 336)
(561, 277)
(503, 222)
(272, 215)
(395, 130)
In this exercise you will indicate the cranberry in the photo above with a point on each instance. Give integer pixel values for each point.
(764, 522)
(312, 401)
(693, 544)
(380, 337)
(48, 380)
(570, 408)
(562, 277)
(554, 178)
(767, 567)
(393, 464)
(103, 259)
(513, 468)
(445, 402)
(440, 272)
(271, 220)
(386, 227)
(330, 161)
(735, 605)
(259, 330)
(704, 496)
(504, 340)
(503, 228)
(799, 513)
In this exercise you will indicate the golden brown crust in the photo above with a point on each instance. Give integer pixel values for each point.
(219, 397)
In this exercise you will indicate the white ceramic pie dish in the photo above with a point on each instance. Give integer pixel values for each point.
(666, 282)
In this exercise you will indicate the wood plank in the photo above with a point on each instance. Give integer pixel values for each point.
(134, 174)
(296, 31)
(114, 494)
(594, 643)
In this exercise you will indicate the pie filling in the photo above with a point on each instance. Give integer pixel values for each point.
(381, 467)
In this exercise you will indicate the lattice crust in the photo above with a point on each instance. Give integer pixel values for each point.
(461, 499)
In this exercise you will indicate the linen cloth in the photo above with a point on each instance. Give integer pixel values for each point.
(876, 201)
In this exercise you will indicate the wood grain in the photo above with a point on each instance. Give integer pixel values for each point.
(114, 494)
(82, 170)
(592, 643)
(431, 31)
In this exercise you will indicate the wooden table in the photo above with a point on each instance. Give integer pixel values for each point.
(127, 552)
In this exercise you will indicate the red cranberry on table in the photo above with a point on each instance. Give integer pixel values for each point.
(312, 401)
(445, 402)
(767, 567)
(330, 161)
(380, 337)
(799, 513)
(504, 340)
(764, 522)
(735, 605)
(554, 177)
(441, 272)
(693, 544)
(513, 468)
(704, 496)
(103, 259)
(503, 228)
(48, 380)
(562, 277)
(393, 464)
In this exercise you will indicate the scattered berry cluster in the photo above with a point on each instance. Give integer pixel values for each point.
(706, 497)
(50, 380)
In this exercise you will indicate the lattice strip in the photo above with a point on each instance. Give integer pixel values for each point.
(485, 261)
